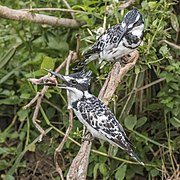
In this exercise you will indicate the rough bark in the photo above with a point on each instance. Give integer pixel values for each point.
(20, 15)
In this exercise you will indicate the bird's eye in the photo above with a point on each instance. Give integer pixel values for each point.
(73, 81)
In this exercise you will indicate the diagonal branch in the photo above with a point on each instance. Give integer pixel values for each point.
(20, 15)
(61, 145)
(78, 168)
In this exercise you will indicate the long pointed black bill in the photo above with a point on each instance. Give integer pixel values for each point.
(51, 84)
(55, 74)
(48, 84)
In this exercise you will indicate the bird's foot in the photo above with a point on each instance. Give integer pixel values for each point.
(89, 137)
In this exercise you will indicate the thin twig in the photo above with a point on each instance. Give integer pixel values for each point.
(36, 112)
(32, 101)
(38, 100)
(126, 4)
(20, 15)
(143, 87)
(55, 9)
(78, 41)
(175, 46)
(109, 8)
(61, 145)
(69, 7)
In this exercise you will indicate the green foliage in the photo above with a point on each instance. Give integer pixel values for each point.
(149, 113)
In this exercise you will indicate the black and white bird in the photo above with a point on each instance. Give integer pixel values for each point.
(117, 41)
(94, 114)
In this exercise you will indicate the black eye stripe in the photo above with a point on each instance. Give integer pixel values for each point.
(73, 81)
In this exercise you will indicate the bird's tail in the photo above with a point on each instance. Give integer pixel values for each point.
(134, 156)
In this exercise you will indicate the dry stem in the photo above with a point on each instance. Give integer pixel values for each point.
(38, 98)
(61, 145)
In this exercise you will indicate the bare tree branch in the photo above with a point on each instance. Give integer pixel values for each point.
(40, 95)
(61, 145)
(126, 4)
(173, 45)
(115, 77)
(78, 168)
(20, 15)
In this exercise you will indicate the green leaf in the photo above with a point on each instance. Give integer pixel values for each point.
(4, 165)
(141, 121)
(121, 172)
(164, 50)
(154, 172)
(50, 112)
(174, 22)
(25, 95)
(137, 69)
(47, 63)
(7, 57)
(174, 86)
(103, 169)
(175, 122)
(32, 147)
(7, 177)
(95, 170)
(130, 122)
(23, 114)
(113, 150)
(152, 4)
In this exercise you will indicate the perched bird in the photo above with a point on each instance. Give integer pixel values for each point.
(90, 111)
(117, 41)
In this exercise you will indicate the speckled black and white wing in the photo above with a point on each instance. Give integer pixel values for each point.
(117, 41)
(102, 124)
(108, 40)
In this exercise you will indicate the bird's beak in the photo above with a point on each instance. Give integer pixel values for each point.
(56, 75)
(51, 84)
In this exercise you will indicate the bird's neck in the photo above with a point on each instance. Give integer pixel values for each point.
(74, 97)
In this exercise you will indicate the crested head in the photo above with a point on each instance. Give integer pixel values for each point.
(132, 18)
(80, 81)
(74, 82)
(81, 77)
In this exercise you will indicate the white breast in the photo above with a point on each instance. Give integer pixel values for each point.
(93, 131)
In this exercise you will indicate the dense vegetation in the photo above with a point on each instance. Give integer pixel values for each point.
(147, 102)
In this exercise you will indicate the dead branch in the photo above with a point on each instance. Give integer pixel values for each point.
(115, 77)
(20, 15)
(175, 46)
(78, 168)
(39, 96)
(61, 145)
(126, 4)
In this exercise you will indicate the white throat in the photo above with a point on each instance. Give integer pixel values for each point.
(73, 96)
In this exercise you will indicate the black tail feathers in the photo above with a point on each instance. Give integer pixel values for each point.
(133, 155)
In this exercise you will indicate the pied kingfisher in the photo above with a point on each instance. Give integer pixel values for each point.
(90, 111)
(117, 41)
